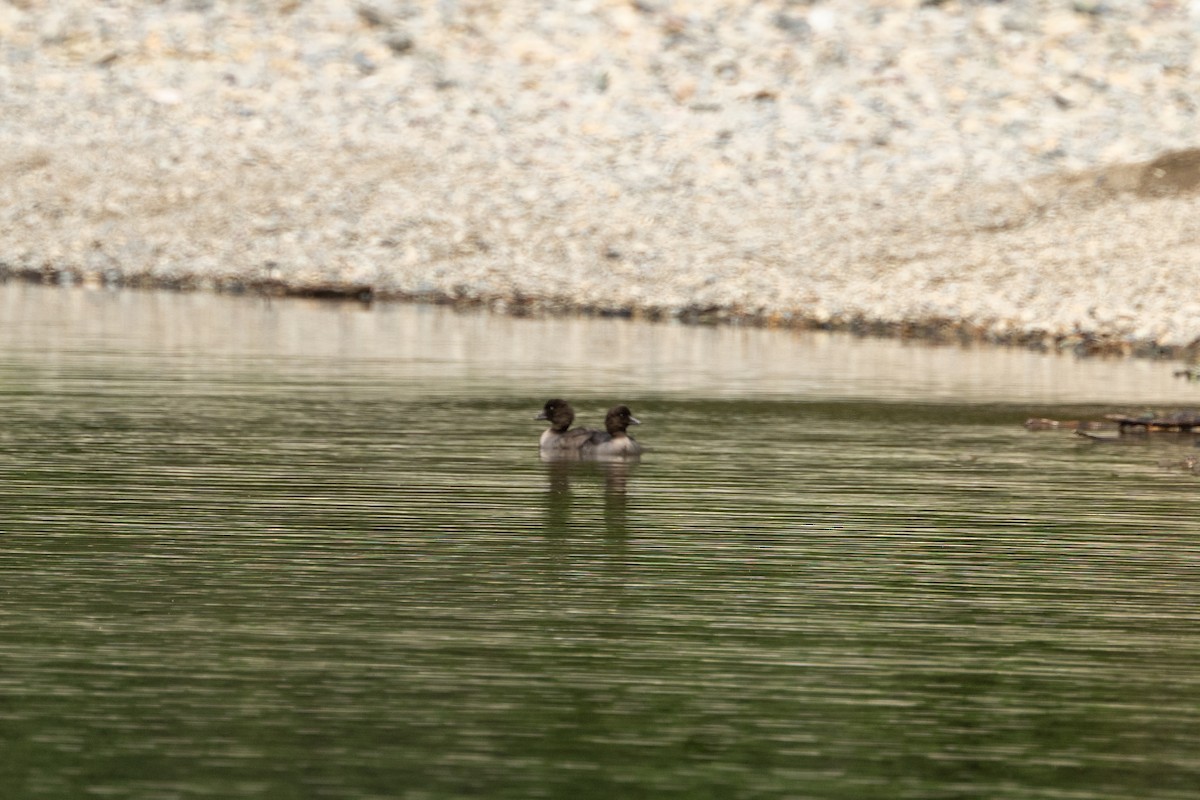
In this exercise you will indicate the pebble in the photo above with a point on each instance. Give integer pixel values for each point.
(887, 164)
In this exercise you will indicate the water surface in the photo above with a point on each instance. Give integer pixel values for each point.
(285, 549)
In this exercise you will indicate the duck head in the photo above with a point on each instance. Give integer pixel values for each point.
(618, 419)
(559, 413)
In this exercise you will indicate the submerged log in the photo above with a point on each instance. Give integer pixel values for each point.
(1175, 422)
(1109, 436)
(1114, 426)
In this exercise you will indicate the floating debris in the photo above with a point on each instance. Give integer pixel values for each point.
(1191, 374)
(1125, 428)
(1148, 422)
(1044, 424)
(1174, 422)
(1189, 464)
(1111, 436)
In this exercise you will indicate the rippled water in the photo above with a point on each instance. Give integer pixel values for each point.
(293, 550)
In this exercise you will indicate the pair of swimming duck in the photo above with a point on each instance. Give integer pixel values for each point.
(560, 440)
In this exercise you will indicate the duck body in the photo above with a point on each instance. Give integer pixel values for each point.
(614, 441)
(560, 439)
(571, 441)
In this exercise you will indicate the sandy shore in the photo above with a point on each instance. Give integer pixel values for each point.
(1015, 171)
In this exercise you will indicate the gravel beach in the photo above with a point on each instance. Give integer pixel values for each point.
(1014, 171)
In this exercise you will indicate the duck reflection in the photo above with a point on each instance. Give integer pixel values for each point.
(563, 473)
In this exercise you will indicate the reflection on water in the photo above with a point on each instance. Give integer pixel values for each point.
(259, 549)
(613, 475)
(437, 352)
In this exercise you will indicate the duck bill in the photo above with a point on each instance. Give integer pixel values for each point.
(542, 416)
(634, 421)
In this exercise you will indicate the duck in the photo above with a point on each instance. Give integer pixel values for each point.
(614, 440)
(560, 439)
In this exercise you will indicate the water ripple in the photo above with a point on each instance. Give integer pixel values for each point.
(253, 572)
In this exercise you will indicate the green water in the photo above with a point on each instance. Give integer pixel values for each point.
(287, 550)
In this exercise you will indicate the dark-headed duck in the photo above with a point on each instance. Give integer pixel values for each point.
(615, 441)
(560, 438)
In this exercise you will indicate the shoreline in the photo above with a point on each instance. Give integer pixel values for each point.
(1019, 173)
(932, 331)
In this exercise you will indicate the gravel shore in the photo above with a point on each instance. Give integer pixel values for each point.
(1014, 171)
